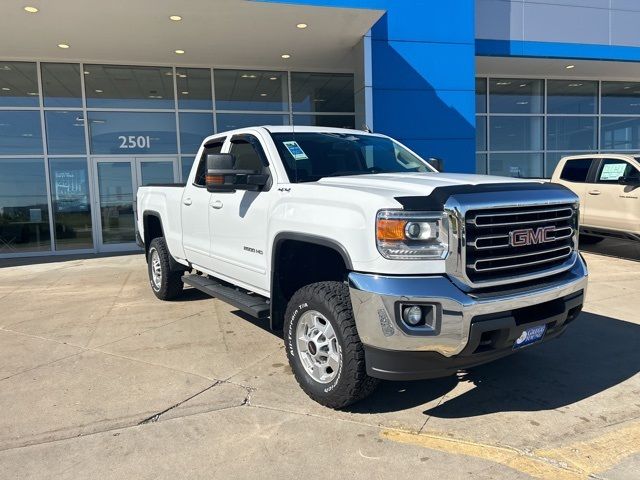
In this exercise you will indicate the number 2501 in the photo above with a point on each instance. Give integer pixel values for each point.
(133, 141)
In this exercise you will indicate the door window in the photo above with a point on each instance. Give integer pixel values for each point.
(611, 170)
(201, 172)
(576, 170)
(248, 155)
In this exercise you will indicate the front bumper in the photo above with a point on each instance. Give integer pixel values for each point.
(469, 329)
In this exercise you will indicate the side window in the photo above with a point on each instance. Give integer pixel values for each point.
(612, 169)
(201, 172)
(248, 155)
(576, 170)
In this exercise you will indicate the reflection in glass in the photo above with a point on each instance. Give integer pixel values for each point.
(61, 84)
(186, 162)
(194, 127)
(117, 86)
(116, 202)
(70, 202)
(126, 133)
(572, 96)
(322, 92)
(24, 214)
(252, 90)
(230, 121)
(572, 133)
(18, 85)
(620, 133)
(481, 95)
(65, 132)
(337, 121)
(553, 158)
(621, 98)
(194, 88)
(481, 133)
(515, 95)
(524, 165)
(481, 163)
(516, 133)
(20, 132)
(156, 172)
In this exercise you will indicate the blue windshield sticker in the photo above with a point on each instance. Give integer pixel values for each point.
(296, 152)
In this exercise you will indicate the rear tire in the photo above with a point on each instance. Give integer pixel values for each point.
(165, 283)
(323, 346)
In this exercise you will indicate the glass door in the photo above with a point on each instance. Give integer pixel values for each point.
(116, 184)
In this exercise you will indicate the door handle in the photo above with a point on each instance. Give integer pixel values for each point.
(187, 201)
(594, 192)
(217, 204)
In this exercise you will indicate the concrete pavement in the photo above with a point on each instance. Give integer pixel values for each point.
(98, 378)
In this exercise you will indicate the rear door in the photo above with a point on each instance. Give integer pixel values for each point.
(195, 210)
(609, 205)
(574, 174)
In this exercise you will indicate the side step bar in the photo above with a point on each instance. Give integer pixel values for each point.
(254, 305)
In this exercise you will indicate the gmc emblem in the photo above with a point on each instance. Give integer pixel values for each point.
(529, 236)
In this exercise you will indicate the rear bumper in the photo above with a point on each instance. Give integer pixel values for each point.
(469, 329)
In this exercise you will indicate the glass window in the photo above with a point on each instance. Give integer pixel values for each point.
(248, 156)
(24, 213)
(186, 162)
(65, 132)
(61, 85)
(71, 203)
(230, 121)
(572, 96)
(251, 90)
(322, 92)
(515, 95)
(481, 163)
(115, 86)
(612, 169)
(553, 158)
(20, 132)
(126, 133)
(481, 95)
(18, 85)
(115, 184)
(194, 88)
(481, 133)
(572, 133)
(576, 170)
(194, 127)
(620, 133)
(516, 133)
(338, 121)
(201, 173)
(621, 98)
(524, 165)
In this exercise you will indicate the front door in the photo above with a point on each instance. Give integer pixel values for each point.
(116, 181)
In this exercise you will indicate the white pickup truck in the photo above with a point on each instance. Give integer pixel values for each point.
(374, 264)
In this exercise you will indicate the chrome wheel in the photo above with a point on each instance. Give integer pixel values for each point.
(318, 347)
(156, 269)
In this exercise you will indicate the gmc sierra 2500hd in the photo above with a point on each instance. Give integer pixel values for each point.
(374, 264)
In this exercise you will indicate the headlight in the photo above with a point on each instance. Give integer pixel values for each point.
(404, 235)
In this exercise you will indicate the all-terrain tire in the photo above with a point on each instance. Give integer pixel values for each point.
(165, 283)
(351, 383)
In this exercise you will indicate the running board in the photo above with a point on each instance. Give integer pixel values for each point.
(253, 305)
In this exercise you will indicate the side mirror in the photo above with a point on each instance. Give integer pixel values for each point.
(223, 177)
(436, 163)
(631, 180)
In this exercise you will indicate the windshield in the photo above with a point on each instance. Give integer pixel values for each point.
(309, 157)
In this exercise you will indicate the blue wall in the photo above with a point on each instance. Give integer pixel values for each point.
(422, 75)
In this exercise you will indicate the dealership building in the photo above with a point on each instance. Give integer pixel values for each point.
(98, 98)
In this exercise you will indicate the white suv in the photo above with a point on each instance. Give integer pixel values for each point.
(609, 189)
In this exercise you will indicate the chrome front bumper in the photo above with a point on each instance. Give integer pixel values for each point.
(374, 299)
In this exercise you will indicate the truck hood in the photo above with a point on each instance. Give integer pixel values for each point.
(411, 183)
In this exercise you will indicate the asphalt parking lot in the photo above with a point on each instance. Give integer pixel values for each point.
(99, 379)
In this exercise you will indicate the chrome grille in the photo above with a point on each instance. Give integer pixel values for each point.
(518, 241)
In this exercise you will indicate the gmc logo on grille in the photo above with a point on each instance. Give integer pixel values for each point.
(529, 236)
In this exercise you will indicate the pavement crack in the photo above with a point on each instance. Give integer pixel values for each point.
(156, 416)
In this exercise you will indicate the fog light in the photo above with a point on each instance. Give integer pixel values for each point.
(412, 315)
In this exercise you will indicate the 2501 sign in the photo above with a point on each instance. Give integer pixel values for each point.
(134, 141)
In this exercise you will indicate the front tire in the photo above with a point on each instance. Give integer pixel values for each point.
(165, 283)
(323, 346)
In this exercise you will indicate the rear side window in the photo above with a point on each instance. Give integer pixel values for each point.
(576, 170)
(201, 173)
(611, 170)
